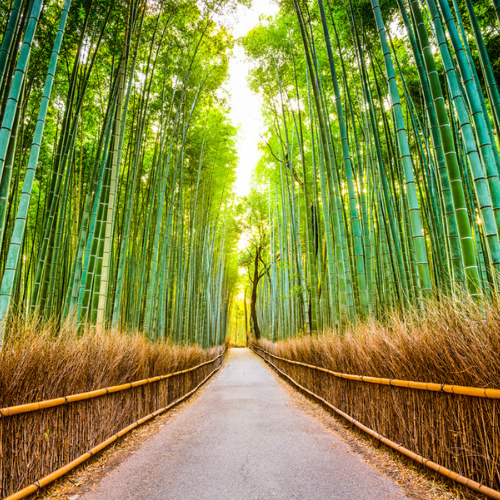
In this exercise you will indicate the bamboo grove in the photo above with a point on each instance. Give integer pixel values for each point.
(117, 160)
(379, 182)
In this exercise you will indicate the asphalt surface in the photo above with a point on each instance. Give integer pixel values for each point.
(243, 439)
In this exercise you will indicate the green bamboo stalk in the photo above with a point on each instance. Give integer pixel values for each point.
(17, 239)
(464, 230)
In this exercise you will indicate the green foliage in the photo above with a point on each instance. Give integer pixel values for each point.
(130, 215)
(366, 114)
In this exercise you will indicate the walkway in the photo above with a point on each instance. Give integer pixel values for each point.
(242, 439)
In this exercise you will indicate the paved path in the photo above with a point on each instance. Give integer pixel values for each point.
(243, 439)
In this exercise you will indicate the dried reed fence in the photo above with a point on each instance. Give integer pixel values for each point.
(455, 345)
(34, 444)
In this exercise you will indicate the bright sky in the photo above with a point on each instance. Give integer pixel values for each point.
(245, 105)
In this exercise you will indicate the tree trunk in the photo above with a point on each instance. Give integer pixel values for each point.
(253, 299)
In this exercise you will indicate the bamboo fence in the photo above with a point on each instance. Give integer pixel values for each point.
(454, 427)
(46, 439)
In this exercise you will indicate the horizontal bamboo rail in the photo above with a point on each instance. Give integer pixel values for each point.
(50, 403)
(41, 483)
(469, 483)
(423, 386)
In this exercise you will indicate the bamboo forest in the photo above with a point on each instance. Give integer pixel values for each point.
(377, 188)
(358, 229)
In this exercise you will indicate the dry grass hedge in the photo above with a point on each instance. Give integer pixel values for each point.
(35, 365)
(453, 344)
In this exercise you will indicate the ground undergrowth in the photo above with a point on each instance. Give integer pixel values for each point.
(36, 364)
